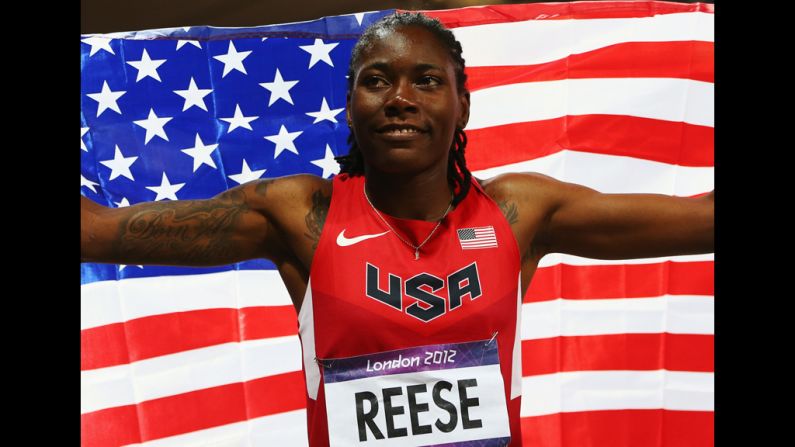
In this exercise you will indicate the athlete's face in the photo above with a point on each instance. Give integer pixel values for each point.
(404, 106)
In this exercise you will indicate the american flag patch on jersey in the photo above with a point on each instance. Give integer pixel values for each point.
(477, 237)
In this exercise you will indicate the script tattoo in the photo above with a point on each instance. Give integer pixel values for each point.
(198, 232)
(509, 211)
(316, 217)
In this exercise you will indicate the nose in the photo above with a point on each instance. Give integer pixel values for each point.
(401, 100)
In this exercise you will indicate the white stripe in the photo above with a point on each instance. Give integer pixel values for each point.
(516, 372)
(669, 99)
(617, 390)
(539, 41)
(675, 314)
(553, 259)
(107, 302)
(187, 371)
(615, 174)
(282, 429)
(306, 330)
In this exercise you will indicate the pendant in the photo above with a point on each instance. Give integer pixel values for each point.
(416, 254)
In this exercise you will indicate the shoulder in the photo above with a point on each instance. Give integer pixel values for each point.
(281, 196)
(519, 186)
(299, 184)
(294, 189)
(527, 199)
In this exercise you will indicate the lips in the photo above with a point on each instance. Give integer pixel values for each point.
(400, 131)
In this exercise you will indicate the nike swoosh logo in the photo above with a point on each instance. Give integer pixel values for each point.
(343, 241)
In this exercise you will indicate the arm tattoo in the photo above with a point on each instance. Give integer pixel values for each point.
(194, 232)
(509, 211)
(262, 186)
(316, 217)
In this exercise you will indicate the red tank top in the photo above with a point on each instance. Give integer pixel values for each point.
(368, 294)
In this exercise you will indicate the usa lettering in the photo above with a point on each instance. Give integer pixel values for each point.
(424, 289)
(378, 422)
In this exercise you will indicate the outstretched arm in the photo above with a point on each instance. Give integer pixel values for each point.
(236, 225)
(578, 220)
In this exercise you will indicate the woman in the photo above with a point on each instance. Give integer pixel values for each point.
(407, 273)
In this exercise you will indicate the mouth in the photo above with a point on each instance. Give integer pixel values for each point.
(400, 131)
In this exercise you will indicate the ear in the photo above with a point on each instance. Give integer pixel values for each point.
(463, 118)
(348, 117)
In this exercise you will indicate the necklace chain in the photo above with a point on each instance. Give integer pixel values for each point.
(415, 247)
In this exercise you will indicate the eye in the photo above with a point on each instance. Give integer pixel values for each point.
(429, 81)
(374, 82)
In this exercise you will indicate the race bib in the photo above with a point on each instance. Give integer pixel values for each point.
(449, 394)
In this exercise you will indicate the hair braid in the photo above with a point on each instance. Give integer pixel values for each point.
(457, 172)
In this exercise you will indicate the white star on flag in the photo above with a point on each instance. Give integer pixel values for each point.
(88, 183)
(194, 96)
(166, 190)
(239, 120)
(124, 203)
(83, 131)
(201, 154)
(120, 165)
(123, 266)
(154, 126)
(319, 51)
(359, 17)
(106, 99)
(284, 141)
(233, 60)
(195, 43)
(328, 163)
(147, 67)
(98, 43)
(279, 88)
(247, 175)
(325, 113)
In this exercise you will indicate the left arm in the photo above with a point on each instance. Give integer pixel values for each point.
(577, 220)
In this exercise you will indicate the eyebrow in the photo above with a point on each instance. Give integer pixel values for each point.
(383, 66)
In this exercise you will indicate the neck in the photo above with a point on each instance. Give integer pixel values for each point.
(423, 196)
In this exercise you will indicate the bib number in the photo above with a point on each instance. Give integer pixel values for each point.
(449, 394)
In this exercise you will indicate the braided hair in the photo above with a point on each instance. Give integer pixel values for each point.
(458, 176)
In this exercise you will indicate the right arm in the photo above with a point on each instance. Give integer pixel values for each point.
(233, 226)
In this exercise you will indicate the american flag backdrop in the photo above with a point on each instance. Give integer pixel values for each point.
(617, 96)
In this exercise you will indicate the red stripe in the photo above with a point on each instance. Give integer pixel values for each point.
(110, 428)
(686, 60)
(620, 428)
(480, 15)
(148, 337)
(671, 142)
(196, 410)
(621, 281)
(630, 352)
